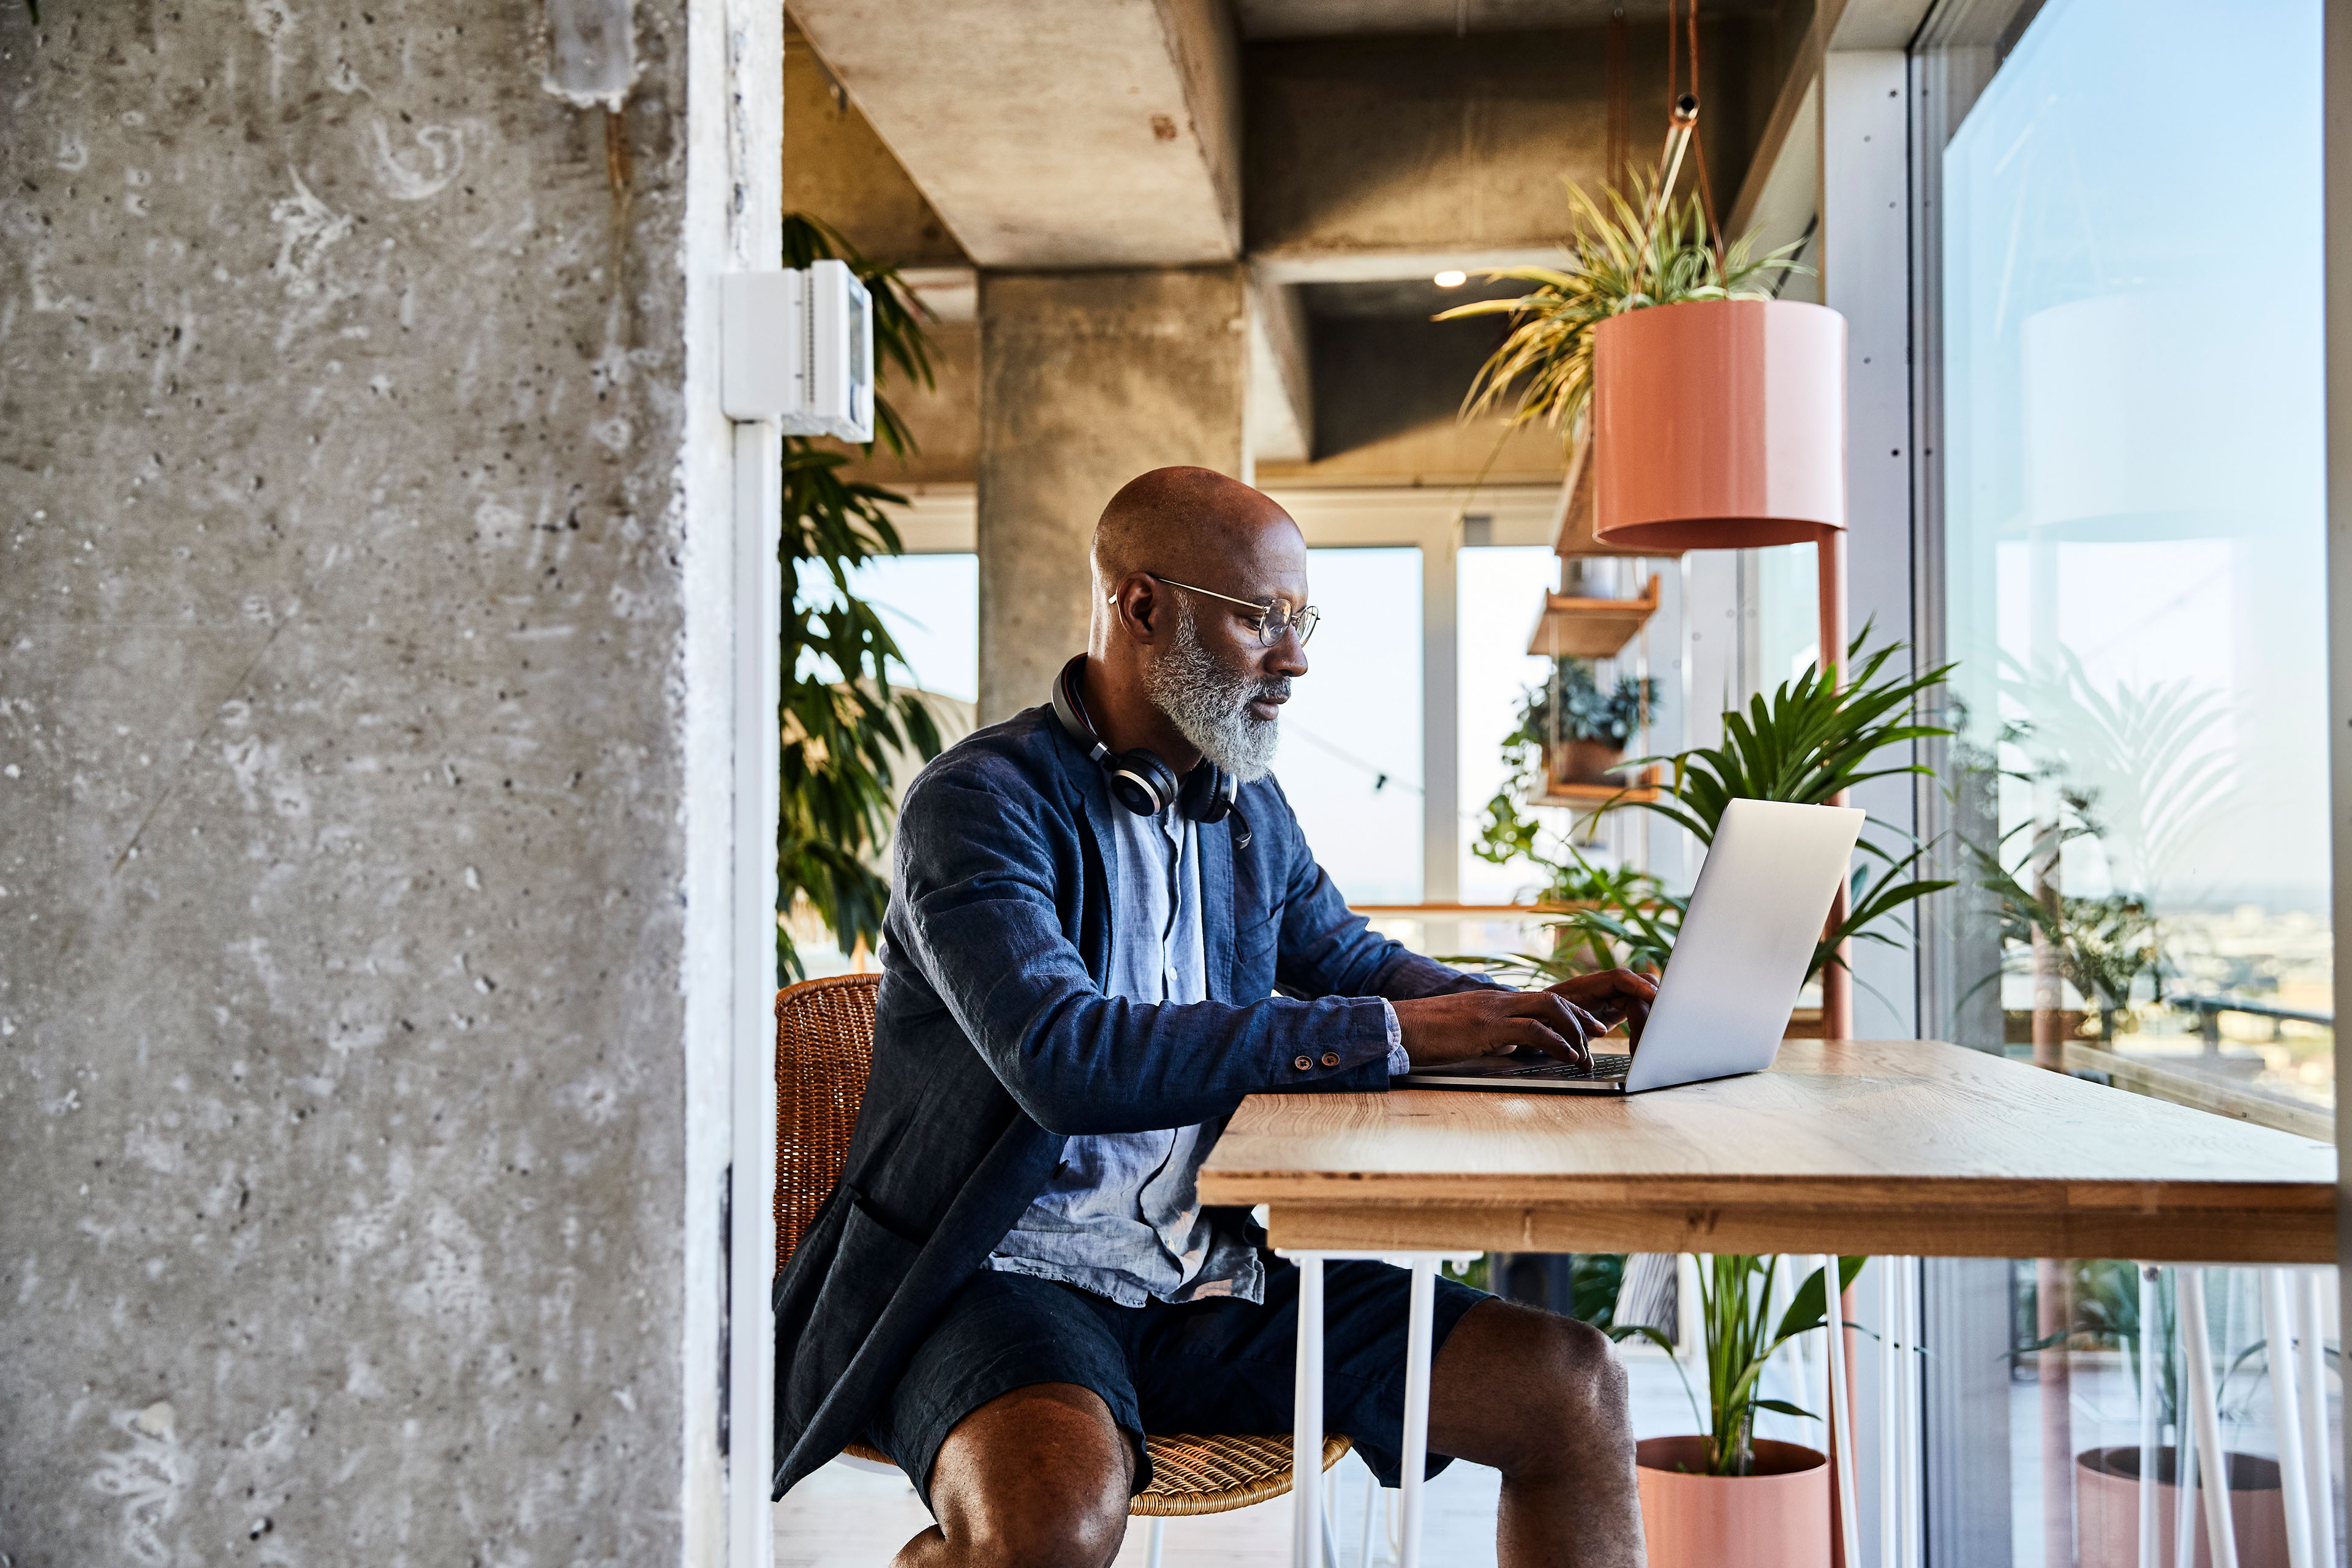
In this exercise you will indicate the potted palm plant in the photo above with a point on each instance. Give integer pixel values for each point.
(1807, 741)
(1724, 1495)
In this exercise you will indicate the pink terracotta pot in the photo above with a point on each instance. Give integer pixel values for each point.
(1719, 424)
(2106, 1510)
(1777, 1518)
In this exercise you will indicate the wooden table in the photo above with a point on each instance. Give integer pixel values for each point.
(1901, 1148)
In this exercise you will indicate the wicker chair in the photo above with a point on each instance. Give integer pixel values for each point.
(824, 1044)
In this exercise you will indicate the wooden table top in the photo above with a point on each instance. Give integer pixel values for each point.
(1909, 1147)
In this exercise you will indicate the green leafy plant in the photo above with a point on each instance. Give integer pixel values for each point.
(1584, 712)
(1627, 252)
(1806, 742)
(2103, 944)
(1617, 918)
(1814, 738)
(1738, 1337)
(842, 722)
(2125, 770)
(1595, 1281)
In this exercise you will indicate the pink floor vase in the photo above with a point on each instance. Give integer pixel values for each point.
(2106, 1510)
(1777, 1518)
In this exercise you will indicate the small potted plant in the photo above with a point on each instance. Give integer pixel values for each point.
(2105, 1298)
(1724, 1495)
(1582, 728)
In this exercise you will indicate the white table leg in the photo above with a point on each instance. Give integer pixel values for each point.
(1307, 1419)
(1915, 1522)
(1419, 1328)
(1841, 1439)
(2220, 1540)
(2318, 1464)
(2278, 1336)
(2151, 1431)
(2184, 1436)
(1890, 1414)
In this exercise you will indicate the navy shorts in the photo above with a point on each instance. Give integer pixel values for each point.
(1220, 1365)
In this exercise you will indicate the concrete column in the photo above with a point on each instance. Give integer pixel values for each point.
(1088, 379)
(366, 696)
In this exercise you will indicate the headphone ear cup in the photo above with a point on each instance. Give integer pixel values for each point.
(1140, 782)
(1209, 793)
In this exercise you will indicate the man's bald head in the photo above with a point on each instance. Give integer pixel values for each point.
(1182, 523)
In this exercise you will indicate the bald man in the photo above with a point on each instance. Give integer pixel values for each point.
(1094, 906)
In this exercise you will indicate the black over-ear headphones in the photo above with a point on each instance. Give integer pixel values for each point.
(1138, 780)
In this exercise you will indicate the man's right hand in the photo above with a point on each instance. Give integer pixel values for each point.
(1465, 1025)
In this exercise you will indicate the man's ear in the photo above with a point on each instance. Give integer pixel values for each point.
(1139, 607)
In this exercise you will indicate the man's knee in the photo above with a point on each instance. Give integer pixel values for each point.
(1038, 1478)
(1079, 1527)
(1541, 1389)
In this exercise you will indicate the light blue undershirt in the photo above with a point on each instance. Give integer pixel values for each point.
(1121, 1214)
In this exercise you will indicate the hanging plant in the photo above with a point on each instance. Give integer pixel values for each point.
(1626, 254)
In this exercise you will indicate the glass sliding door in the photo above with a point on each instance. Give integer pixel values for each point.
(2119, 377)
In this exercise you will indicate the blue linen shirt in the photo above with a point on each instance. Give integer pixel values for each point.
(1121, 1214)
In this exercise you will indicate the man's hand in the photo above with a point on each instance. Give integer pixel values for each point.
(1613, 997)
(1469, 1023)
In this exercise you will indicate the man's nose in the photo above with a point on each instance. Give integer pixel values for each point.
(1288, 657)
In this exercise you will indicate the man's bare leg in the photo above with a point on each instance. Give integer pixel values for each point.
(1542, 1399)
(1039, 1477)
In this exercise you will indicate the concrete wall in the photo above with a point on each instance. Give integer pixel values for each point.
(1088, 379)
(342, 1091)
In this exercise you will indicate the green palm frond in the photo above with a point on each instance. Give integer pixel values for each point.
(844, 728)
(1627, 253)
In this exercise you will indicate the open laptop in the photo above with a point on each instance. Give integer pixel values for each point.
(1759, 906)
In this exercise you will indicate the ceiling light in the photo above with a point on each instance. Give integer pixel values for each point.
(1451, 279)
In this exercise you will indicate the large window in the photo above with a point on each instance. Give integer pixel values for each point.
(1352, 741)
(2121, 394)
(2131, 488)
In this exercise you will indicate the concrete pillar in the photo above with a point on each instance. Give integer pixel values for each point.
(1087, 380)
(366, 685)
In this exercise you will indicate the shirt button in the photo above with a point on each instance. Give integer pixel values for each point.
(1302, 1063)
(1331, 1058)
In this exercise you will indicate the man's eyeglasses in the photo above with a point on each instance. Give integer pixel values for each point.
(1270, 619)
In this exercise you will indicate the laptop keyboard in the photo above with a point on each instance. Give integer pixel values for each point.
(1603, 1068)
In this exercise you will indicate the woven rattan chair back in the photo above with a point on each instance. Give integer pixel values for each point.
(824, 1046)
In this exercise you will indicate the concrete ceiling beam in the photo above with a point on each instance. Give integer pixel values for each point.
(1281, 403)
(1055, 134)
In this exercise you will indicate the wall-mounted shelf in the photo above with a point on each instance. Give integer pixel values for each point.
(1590, 628)
(1584, 797)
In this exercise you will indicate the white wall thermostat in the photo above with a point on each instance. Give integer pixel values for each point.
(798, 348)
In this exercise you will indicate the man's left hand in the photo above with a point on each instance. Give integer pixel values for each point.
(1612, 996)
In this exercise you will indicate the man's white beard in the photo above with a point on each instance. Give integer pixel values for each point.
(1209, 702)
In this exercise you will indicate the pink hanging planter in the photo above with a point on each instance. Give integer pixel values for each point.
(1718, 425)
